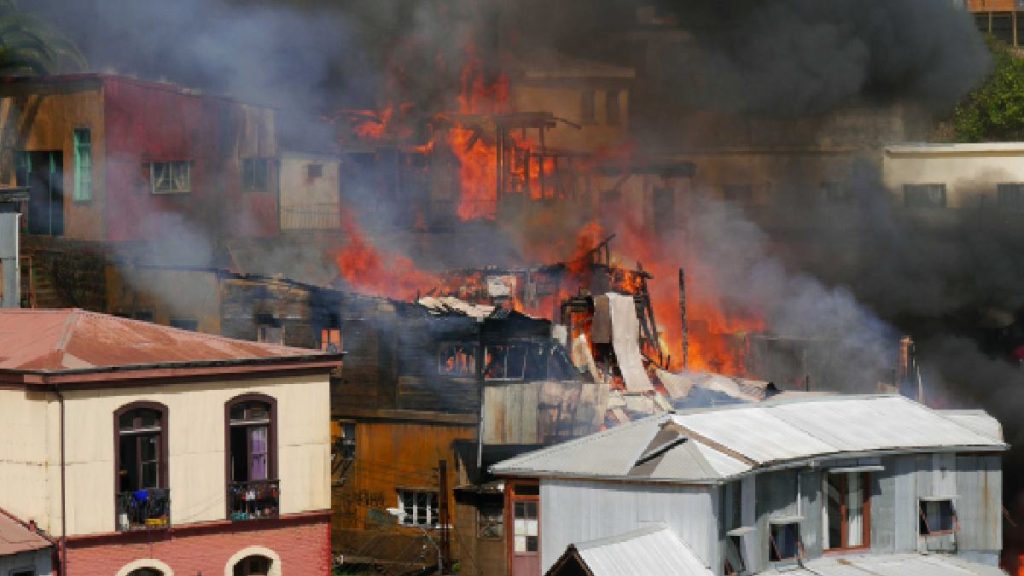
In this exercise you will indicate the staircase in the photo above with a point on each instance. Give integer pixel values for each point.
(37, 288)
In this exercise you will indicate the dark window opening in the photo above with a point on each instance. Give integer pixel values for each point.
(936, 517)
(491, 521)
(734, 564)
(185, 324)
(146, 572)
(587, 115)
(256, 174)
(664, 209)
(847, 509)
(83, 165)
(612, 108)
(253, 566)
(457, 360)
(924, 195)
(314, 171)
(143, 500)
(1011, 196)
(253, 489)
(784, 542)
(505, 362)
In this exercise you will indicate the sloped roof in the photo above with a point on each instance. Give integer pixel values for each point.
(707, 445)
(16, 537)
(888, 565)
(70, 340)
(652, 551)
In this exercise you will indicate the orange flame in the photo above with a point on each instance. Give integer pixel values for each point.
(370, 270)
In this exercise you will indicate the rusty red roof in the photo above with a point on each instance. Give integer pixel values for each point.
(67, 340)
(16, 537)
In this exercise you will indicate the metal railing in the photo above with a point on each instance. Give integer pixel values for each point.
(311, 217)
(253, 500)
(146, 509)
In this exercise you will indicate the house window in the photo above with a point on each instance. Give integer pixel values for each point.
(505, 362)
(924, 195)
(1011, 196)
(614, 114)
(738, 193)
(143, 500)
(269, 329)
(314, 170)
(253, 566)
(83, 165)
(170, 177)
(457, 360)
(526, 526)
(346, 442)
(835, 192)
(847, 510)
(24, 572)
(490, 521)
(784, 541)
(587, 115)
(255, 174)
(733, 555)
(252, 459)
(419, 507)
(146, 572)
(185, 324)
(937, 516)
(330, 340)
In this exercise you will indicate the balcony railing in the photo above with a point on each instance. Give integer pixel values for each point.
(253, 500)
(146, 509)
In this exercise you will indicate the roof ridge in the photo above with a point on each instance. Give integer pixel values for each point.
(67, 330)
(625, 536)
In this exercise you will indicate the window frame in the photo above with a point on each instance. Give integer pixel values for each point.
(954, 523)
(272, 448)
(163, 466)
(773, 547)
(433, 512)
(485, 522)
(250, 167)
(513, 496)
(919, 191)
(189, 164)
(865, 488)
(82, 191)
(1010, 196)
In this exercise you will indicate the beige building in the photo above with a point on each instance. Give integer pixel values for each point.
(310, 191)
(963, 176)
(141, 447)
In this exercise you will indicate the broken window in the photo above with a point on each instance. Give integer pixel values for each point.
(419, 507)
(83, 165)
(269, 329)
(847, 507)
(170, 177)
(587, 115)
(347, 441)
(733, 556)
(613, 112)
(505, 362)
(457, 360)
(784, 541)
(256, 174)
(924, 195)
(490, 520)
(937, 516)
(1011, 196)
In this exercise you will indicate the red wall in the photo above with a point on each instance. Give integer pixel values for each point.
(148, 122)
(303, 545)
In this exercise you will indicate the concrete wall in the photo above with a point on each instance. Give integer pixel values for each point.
(970, 172)
(309, 203)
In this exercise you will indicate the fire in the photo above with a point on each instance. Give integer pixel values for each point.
(380, 124)
(370, 270)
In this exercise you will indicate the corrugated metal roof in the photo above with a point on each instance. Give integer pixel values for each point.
(654, 551)
(889, 565)
(72, 339)
(16, 537)
(977, 420)
(723, 442)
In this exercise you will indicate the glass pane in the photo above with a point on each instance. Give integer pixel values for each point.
(520, 544)
(531, 544)
(834, 510)
(150, 447)
(149, 475)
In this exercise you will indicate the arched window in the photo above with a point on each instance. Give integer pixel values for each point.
(141, 466)
(146, 572)
(255, 565)
(251, 442)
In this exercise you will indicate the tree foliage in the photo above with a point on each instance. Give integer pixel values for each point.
(995, 110)
(31, 47)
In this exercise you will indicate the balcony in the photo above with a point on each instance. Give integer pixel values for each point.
(146, 509)
(253, 500)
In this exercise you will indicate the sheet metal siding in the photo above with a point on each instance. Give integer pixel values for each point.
(979, 508)
(905, 503)
(776, 498)
(883, 508)
(751, 541)
(811, 529)
(575, 511)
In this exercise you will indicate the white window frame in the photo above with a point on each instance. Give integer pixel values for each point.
(176, 177)
(421, 516)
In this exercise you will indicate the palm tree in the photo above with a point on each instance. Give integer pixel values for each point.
(31, 47)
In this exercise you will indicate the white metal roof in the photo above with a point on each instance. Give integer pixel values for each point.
(711, 444)
(952, 149)
(889, 565)
(653, 551)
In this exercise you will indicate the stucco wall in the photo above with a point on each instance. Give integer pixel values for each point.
(28, 447)
(309, 203)
(970, 176)
(196, 465)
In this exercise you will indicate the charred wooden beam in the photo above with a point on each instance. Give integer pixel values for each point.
(682, 316)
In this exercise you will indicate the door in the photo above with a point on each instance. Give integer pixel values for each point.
(43, 173)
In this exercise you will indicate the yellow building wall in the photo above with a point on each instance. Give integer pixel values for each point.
(53, 119)
(196, 465)
(971, 176)
(29, 447)
(167, 294)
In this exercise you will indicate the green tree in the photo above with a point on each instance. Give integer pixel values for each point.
(995, 110)
(31, 47)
